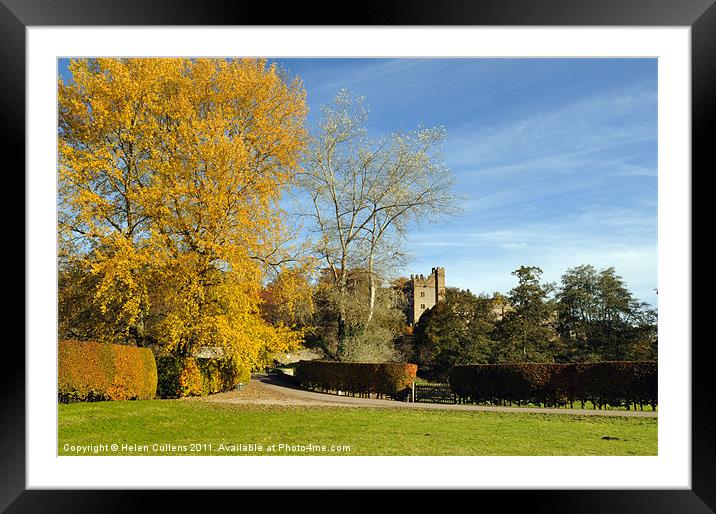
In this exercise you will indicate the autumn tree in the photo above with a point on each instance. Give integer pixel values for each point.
(170, 173)
(363, 193)
(287, 299)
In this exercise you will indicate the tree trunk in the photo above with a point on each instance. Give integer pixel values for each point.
(371, 284)
(371, 291)
(340, 351)
(342, 317)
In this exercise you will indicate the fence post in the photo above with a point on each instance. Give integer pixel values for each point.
(412, 391)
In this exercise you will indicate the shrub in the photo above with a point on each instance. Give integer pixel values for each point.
(89, 371)
(190, 379)
(613, 383)
(210, 373)
(189, 376)
(169, 369)
(360, 378)
(222, 375)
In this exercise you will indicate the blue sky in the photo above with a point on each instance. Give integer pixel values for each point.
(556, 159)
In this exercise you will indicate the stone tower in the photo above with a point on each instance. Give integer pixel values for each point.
(424, 292)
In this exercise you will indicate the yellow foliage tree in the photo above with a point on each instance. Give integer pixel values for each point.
(170, 174)
(288, 298)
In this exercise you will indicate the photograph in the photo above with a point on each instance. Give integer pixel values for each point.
(359, 256)
(429, 251)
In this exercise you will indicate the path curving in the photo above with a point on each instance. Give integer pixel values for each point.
(272, 390)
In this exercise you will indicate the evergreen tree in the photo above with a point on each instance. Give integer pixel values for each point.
(457, 330)
(526, 332)
(599, 319)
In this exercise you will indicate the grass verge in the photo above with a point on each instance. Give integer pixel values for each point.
(196, 427)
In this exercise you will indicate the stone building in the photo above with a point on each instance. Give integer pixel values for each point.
(424, 292)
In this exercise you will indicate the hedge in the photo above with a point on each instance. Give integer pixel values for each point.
(189, 376)
(615, 383)
(357, 378)
(90, 371)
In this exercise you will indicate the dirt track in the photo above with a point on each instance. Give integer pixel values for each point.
(271, 390)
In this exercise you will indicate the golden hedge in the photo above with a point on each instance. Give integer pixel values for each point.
(89, 371)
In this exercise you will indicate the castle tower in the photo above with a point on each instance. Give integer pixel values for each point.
(425, 292)
(439, 277)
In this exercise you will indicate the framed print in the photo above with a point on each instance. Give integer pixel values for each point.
(162, 266)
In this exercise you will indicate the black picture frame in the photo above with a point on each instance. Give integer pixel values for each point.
(17, 15)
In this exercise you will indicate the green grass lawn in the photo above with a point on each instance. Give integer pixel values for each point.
(200, 428)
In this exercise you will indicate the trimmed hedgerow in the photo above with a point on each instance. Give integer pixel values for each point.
(190, 376)
(614, 383)
(89, 371)
(357, 378)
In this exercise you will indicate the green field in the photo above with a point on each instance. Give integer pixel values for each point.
(195, 427)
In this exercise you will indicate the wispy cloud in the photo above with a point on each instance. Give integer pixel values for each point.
(364, 75)
(576, 135)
